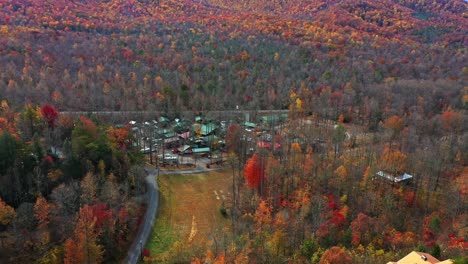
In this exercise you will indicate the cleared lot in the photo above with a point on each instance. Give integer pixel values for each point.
(189, 214)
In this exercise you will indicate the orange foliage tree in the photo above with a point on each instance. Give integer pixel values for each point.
(72, 255)
(296, 148)
(88, 125)
(395, 123)
(341, 172)
(41, 211)
(452, 121)
(394, 161)
(263, 214)
(83, 247)
(119, 137)
(7, 213)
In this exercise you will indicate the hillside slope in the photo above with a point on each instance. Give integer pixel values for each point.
(137, 54)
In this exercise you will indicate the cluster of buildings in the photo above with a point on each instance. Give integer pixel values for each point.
(201, 137)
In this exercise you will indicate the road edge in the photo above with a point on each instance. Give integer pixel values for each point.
(136, 249)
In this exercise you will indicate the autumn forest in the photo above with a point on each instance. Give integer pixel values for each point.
(361, 159)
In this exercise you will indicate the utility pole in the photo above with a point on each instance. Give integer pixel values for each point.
(141, 249)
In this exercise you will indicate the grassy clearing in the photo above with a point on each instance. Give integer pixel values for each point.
(189, 213)
(162, 236)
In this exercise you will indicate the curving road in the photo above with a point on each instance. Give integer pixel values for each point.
(136, 249)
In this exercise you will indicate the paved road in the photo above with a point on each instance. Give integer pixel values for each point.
(144, 231)
(215, 112)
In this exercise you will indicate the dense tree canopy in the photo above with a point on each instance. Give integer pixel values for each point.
(65, 190)
(391, 72)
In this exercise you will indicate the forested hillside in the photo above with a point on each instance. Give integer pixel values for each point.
(68, 187)
(140, 55)
(376, 91)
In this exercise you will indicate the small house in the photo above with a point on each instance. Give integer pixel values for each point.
(405, 177)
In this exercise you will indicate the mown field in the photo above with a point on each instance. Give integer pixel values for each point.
(189, 215)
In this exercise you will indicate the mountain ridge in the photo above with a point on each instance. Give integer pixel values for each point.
(446, 21)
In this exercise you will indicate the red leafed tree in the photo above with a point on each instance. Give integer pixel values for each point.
(102, 214)
(253, 171)
(41, 211)
(431, 228)
(50, 115)
(360, 226)
(335, 255)
(457, 242)
(337, 218)
(122, 216)
(121, 227)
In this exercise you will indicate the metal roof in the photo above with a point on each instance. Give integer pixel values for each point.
(163, 119)
(207, 129)
(200, 150)
(396, 179)
(249, 124)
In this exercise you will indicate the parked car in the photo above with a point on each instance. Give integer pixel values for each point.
(148, 150)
